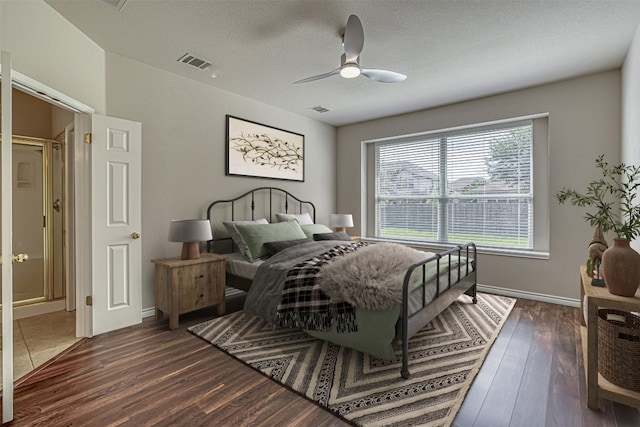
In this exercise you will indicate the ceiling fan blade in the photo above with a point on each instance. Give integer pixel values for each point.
(318, 77)
(383, 76)
(353, 38)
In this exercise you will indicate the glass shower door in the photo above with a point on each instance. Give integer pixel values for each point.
(29, 277)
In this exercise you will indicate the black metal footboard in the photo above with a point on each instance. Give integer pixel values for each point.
(464, 282)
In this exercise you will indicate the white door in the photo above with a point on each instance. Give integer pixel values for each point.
(116, 249)
(7, 240)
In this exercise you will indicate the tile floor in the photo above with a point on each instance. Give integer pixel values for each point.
(40, 338)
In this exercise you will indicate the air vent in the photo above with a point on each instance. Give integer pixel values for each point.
(119, 4)
(320, 109)
(194, 61)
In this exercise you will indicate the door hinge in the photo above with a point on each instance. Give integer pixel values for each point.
(89, 300)
(87, 138)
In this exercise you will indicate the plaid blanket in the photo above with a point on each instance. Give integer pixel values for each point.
(304, 305)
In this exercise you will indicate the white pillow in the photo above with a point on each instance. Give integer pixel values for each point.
(303, 219)
(237, 239)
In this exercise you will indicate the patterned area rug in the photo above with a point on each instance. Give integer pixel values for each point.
(444, 358)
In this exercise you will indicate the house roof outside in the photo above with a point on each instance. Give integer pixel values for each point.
(404, 178)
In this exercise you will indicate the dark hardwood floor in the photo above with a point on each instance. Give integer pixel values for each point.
(149, 375)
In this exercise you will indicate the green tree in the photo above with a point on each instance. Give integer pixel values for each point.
(510, 158)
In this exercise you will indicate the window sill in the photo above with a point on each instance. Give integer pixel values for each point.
(520, 253)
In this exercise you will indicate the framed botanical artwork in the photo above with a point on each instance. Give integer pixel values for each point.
(257, 150)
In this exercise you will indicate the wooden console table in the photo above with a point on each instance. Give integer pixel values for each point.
(597, 385)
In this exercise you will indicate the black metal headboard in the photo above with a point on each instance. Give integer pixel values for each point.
(275, 200)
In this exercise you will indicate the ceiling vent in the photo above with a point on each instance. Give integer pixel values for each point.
(320, 109)
(119, 4)
(194, 61)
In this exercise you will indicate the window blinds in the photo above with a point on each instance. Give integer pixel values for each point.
(473, 185)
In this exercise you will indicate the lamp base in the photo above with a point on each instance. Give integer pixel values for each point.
(190, 250)
(343, 229)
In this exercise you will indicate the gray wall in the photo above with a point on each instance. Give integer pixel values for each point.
(183, 151)
(584, 121)
(47, 48)
(631, 108)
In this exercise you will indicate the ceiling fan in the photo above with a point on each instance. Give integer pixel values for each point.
(353, 41)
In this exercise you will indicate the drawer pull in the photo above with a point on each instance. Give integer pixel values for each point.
(201, 295)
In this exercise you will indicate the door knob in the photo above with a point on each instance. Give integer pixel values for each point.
(135, 235)
(17, 258)
(20, 257)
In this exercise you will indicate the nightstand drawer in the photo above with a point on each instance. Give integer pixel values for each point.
(201, 289)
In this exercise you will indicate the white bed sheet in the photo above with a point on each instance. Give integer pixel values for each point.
(238, 265)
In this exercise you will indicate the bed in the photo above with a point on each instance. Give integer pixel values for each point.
(282, 270)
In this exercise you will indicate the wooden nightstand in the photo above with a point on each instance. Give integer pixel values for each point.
(356, 238)
(186, 285)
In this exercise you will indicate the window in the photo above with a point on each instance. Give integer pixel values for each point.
(474, 184)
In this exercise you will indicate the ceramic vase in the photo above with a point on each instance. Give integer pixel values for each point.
(621, 268)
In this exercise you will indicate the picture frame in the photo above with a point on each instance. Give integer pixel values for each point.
(257, 150)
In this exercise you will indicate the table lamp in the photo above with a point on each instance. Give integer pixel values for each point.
(190, 232)
(341, 221)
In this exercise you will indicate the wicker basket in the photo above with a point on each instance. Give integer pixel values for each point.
(619, 348)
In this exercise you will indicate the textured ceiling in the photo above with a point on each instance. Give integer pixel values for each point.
(451, 51)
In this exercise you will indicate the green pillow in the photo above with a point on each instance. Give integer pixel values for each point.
(254, 236)
(234, 234)
(311, 229)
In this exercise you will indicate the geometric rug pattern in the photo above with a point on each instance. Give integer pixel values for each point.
(444, 357)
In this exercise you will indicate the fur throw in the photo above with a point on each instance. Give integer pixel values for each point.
(371, 277)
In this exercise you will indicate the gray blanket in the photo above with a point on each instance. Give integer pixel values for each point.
(370, 278)
(266, 291)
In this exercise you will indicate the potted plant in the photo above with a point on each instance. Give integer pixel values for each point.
(618, 184)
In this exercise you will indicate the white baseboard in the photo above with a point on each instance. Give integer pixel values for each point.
(37, 309)
(529, 295)
(148, 312)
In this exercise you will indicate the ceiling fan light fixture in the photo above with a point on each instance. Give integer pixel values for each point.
(350, 71)
(353, 42)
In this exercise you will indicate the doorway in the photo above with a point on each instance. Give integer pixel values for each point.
(114, 135)
(40, 185)
(42, 326)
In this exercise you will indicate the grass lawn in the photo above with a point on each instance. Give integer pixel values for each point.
(477, 238)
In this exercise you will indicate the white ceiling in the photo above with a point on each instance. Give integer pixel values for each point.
(450, 50)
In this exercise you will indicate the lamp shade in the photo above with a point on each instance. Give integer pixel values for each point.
(190, 232)
(341, 221)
